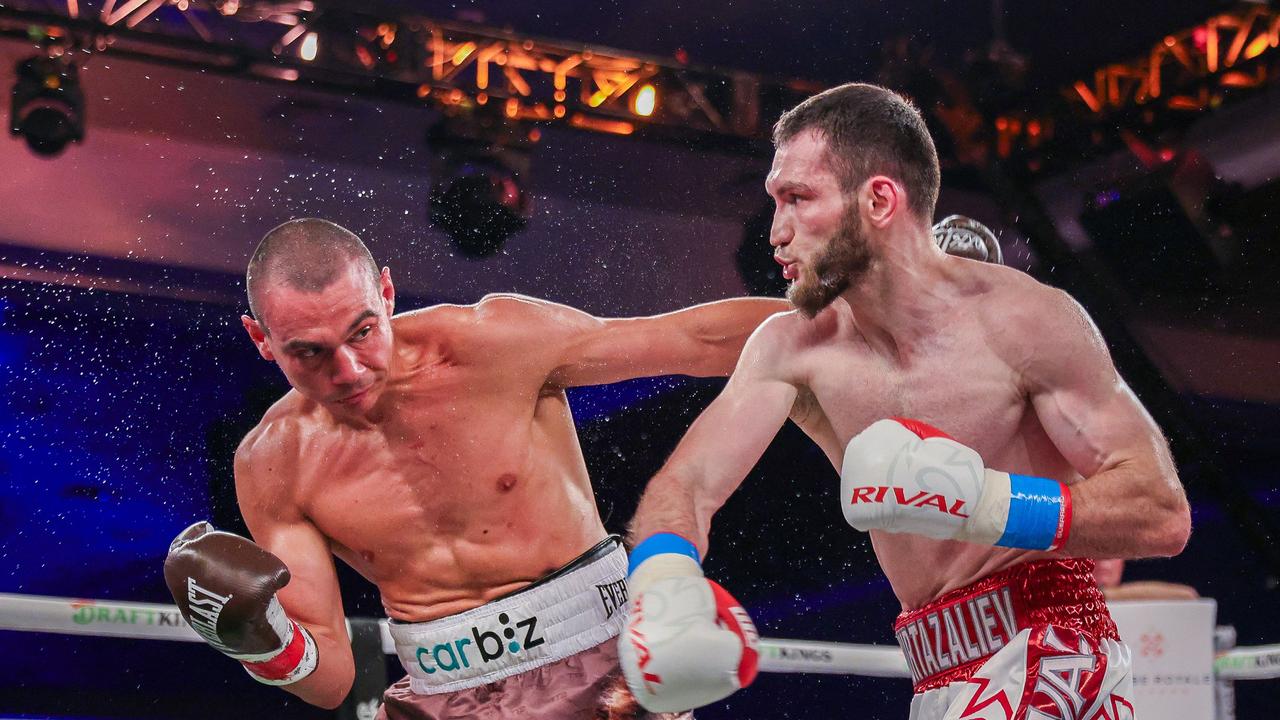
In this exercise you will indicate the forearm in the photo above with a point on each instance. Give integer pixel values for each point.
(327, 686)
(721, 328)
(1128, 511)
(669, 504)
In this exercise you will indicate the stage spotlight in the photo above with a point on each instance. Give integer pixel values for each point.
(47, 107)
(646, 100)
(480, 207)
(481, 168)
(310, 47)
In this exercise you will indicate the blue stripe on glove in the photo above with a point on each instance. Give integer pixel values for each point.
(658, 544)
(1035, 513)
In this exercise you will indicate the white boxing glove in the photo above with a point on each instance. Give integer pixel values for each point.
(687, 642)
(905, 476)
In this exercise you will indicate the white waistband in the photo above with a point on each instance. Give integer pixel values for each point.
(551, 621)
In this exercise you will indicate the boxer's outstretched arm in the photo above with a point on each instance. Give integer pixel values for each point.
(312, 598)
(721, 446)
(1130, 502)
(703, 340)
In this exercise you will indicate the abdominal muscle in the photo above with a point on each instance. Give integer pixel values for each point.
(454, 576)
(921, 569)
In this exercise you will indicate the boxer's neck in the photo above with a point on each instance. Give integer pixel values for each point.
(902, 299)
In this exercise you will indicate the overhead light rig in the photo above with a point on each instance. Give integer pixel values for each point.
(1229, 57)
(418, 59)
(1183, 70)
(46, 105)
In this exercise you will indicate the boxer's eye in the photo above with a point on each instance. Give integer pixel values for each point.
(363, 332)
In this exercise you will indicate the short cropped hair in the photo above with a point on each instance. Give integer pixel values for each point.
(307, 254)
(870, 130)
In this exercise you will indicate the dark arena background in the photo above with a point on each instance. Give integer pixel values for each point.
(612, 157)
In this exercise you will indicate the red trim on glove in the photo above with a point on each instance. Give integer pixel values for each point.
(741, 625)
(280, 666)
(923, 429)
(1064, 520)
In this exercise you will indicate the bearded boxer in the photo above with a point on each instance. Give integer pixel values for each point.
(435, 453)
(982, 435)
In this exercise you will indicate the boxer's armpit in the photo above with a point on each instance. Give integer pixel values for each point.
(809, 415)
(803, 408)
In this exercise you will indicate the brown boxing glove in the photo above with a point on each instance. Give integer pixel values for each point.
(225, 587)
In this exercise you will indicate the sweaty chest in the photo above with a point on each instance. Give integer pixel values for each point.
(435, 474)
(962, 388)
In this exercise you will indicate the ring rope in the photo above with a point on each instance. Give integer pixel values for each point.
(152, 621)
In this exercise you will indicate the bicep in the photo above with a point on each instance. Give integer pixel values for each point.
(573, 348)
(702, 340)
(559, 344)
(1099, 428)
(600, 351)
(312, 596)
(1085, 407)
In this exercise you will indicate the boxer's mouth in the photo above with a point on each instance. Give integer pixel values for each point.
(789, 269)
(353, 399)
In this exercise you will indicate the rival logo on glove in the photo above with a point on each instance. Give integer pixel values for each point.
(641, 647)
(877, 494)
(453, 655)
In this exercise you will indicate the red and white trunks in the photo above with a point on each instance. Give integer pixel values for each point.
(1032, 642)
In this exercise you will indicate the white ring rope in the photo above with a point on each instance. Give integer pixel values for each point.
(151, 621)
(806, 656)
(1248, 663)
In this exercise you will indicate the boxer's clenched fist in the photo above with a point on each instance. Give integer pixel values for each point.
(225, 587)
(902, 475)
(687, 642)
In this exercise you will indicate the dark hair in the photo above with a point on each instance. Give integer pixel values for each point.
(869, 131)
(307, 254)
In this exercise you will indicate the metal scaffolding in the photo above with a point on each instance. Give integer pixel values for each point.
(412, 58)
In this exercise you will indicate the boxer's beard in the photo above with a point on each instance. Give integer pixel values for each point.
(842, 264)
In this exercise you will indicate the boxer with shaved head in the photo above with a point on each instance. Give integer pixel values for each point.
(434, 452)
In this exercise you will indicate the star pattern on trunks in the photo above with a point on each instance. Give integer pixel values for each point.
(1064, 678)
(980, 702)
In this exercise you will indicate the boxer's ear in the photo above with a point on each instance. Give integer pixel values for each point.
(387, 290)
(883, 199)
(259, 337)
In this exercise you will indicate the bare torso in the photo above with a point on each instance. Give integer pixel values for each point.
(470, 487)
(960, 379)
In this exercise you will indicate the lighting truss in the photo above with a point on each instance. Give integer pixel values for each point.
(1184, 70)
(418, 59)
(1228, 57)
